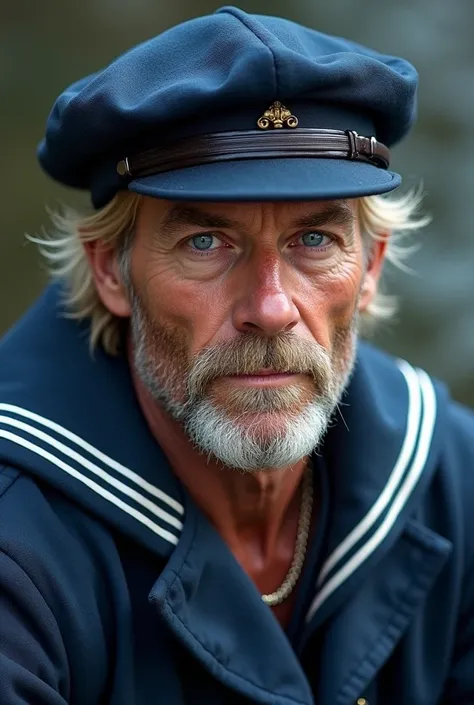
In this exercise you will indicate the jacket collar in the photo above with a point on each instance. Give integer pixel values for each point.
(73, 420)
(381, 455)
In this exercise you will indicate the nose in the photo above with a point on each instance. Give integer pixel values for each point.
(265, 305)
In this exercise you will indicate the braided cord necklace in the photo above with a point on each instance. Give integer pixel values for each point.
(304, 522)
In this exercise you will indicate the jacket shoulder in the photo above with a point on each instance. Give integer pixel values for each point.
(56, 561)
(461, 430)
(458, 452)
(38, 523)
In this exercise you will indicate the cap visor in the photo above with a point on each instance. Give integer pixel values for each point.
(289, 179)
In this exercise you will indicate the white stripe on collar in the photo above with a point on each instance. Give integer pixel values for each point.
(385, 497)
(399, 499)
(117, 484)
(107, 460)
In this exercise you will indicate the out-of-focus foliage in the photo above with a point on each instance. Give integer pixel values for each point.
(44, 45)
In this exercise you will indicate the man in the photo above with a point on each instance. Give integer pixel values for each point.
(211, 492)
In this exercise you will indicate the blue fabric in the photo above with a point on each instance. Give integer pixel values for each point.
(220, 73)
(97, 607)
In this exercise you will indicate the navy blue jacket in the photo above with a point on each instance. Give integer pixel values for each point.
(116, 590)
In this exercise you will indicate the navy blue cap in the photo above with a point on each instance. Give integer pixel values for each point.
(141, 123)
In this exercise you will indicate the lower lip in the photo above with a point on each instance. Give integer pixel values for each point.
(271, 380)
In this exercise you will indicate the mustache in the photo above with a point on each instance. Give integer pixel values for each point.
(250, 353)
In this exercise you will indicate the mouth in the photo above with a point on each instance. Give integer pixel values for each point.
(265, 378)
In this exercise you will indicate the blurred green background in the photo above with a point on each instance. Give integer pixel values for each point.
(46, 44)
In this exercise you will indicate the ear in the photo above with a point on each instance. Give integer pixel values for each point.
(108, 281)
(373, 272)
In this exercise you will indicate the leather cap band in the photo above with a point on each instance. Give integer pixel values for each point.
(253, 144)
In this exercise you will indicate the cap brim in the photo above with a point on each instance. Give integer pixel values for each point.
(295, 179)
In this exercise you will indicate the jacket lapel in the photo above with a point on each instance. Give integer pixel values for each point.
(368, 627)
(217, 614)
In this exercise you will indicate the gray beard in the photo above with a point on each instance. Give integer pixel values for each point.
(216, 433)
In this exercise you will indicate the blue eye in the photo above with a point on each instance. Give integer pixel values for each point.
(314, 239)
(204, 241)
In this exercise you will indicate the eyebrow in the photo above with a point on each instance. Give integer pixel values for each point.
(339, 214)
(181, 214)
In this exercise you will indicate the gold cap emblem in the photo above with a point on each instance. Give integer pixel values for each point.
(277, 116)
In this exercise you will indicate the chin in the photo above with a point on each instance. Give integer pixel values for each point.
(256, 440)
(257, 404)
(264, 425)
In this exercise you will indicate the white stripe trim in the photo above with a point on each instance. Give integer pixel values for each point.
(163, 533)
(416, 469)
(65, 450)
(406, 452)
(107, 460)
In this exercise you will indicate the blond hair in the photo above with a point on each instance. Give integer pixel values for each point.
(63, 248)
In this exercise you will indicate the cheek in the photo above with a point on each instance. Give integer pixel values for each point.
(343, 288)
(197, 309)
(330, 300)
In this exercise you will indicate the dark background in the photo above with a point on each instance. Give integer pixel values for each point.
(45, 45)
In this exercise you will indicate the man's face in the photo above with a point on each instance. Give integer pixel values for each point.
(244, 319)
